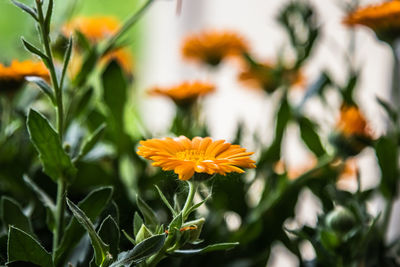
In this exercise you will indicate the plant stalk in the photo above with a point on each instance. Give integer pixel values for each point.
(59, 213)
(189, 200)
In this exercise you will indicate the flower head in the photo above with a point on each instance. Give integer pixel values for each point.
(185, 93)
(199, 155)
(13, 76)
(268, 77)
(211, 47)
(382, 18)
(94, 28)
(352, 122)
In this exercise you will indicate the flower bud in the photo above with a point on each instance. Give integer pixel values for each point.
(194, 229)
(143, 234)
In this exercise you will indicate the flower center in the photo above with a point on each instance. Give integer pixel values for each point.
(192, 155)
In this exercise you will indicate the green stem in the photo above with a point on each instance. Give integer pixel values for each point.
(129, 23)
(189, 200)
(52, 70)
(59, 213)
(155, 259)
(387, 216)
(395, 93)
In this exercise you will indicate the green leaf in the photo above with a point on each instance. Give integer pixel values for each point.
(11, 214)
(47, 19)
(175, 224)
(67, 57)
(42, 84)
(141, 251)
(131, 239)
(310, 136)
(43, 197)
(56, 162)
(23, 247)
(210, 248)
(137, 223)
(109, 233)
(115, 94)
(387, 154)
(195, 206)
(92, 206)
(164, 199)
(149, 215)
(101, 249)
(88, 65)
(31, 48)
(26, 8)
(91, 141)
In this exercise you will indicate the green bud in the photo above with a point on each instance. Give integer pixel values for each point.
(143, 234)
(340, 220)
(193, 231)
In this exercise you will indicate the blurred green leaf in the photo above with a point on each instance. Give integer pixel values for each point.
(141, 251)
(210, 248)
(89, 63)
(31, 48)
(391, 111)
(386, 150)
(175, 224)
(88, 144)
(101, 250)
(109, 233)
(56, 162)
(67, 58)
(92, 206)
(310, 136)
(23, 247)
(11, 214)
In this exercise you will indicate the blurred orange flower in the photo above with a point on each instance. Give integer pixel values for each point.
(211, 47)
(382, 18)
(185, 93)
(13, 76)
(122, 56)
(268, 77)
(352, 122)
(94, 28)
(199, 155)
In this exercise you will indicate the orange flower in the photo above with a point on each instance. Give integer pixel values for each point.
(352, 122)
(199, 155)
(268, 77)
(122, 56)
(13, 76)
(185, 93)
(94, 28)
(383, 19)
(211, 47)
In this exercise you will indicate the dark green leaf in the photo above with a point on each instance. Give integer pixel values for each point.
(141, 251)
(92, 206)
(131, 239)
(149, 215)
(43, 197)
(23, 247)
(12, 214)
(164, 199)
(101, 250)
(175, 225)
(91, 141)
(26, 8)
(210, 248)
(56, 162)
(109, 233)
(310, 136)
(137, 223)
(31, 48)
(42, 84)
(387, 154)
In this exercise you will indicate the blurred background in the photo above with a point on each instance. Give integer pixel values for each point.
(156, 43)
